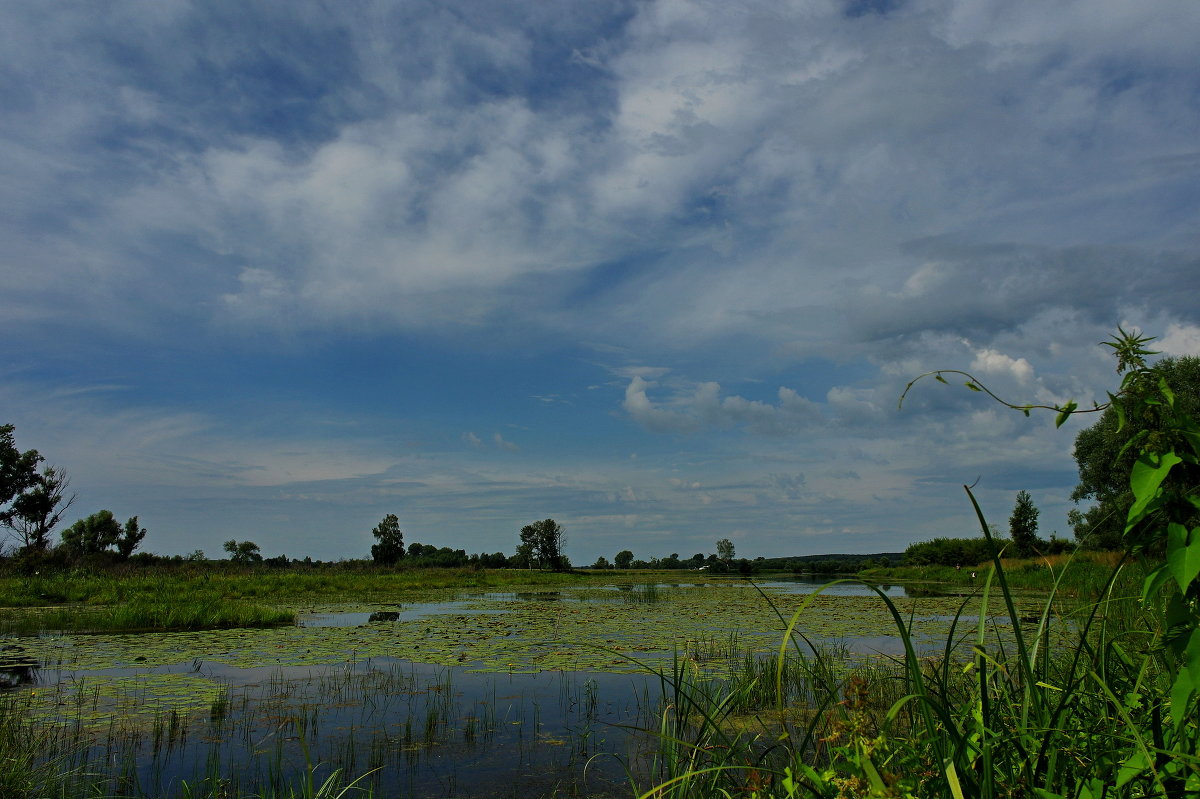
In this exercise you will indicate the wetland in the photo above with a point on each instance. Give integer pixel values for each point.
(551, 688)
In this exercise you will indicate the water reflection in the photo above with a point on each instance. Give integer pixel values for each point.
(16, 667)
(809, 585)
(420, 730)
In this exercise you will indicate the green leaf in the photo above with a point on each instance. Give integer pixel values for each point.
(1146, 477)
(1064, 413)
(972, 386)
(1132, 767)
(1155, 581)
(1182, 691)
(941, 379)
(1183, 554)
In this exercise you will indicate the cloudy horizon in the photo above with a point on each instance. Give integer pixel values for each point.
(658, 270)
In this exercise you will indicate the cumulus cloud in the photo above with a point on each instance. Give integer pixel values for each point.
(704, 407)
(1180, 340)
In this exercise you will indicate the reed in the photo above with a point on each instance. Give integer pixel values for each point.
(1072, 703)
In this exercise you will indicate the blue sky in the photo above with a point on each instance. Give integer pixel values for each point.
(658, 270)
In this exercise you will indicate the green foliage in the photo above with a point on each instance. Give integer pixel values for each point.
(31, 502)
(243, 552)
(542, 543)
(92, 535)
(725, 550)
(951, 552)
(624, 559)
(1023, 527)
(18, 470)
(390, 548)
(1121, 715)
(131, 537)
(101, 533)
(1107, 451)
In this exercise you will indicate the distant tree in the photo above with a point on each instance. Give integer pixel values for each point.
(131, 536)
(623, 559)
(725, 550)
(92, 535)
(546, 538)
(196, 556)
(496, 560)
(1105, 458)
(390, 548)
(671, 562)
(243, 552)
(601, 563)
(1023, 526)
(951, 552)
(38, 507)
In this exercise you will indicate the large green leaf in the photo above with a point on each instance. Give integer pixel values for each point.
(1183, 554)
(1145, 480)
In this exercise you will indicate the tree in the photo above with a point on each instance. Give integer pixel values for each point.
(543, 542)
(92, 535)
(242, 552)
(390, 548)
(623, 559)
(1023, 526)
(1106, 451)
(18, 470)
(37, 509)
(725, 550)
(131, 537)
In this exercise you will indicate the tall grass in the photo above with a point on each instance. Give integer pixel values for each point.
(1072, 703)
(148, 612)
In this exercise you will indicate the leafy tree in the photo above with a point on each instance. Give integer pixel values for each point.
(18, 470)
(623, 559)
(92, 535)
(390, 548)
(725, 550)
(242, 552)
(1107, 451)
(38, 508)
(601, 563)
(544, 541)
(1023, 526)
(131, 536)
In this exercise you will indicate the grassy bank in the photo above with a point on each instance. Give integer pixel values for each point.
(120, 585)
(1086, 577)
(208, 597)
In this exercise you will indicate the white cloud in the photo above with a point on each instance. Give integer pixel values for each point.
(704, 407)
(991, 362)
(1180, 339)
(503, 444)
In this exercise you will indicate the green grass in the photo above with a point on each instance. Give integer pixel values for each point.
(148, 613)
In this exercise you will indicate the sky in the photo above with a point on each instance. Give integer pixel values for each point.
(657, 270)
